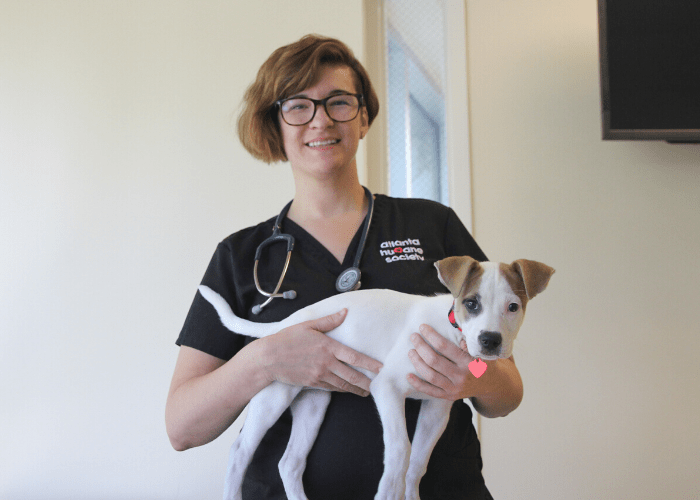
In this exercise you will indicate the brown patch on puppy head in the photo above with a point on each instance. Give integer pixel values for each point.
(527, 278)
(459, 274)
(515, 281)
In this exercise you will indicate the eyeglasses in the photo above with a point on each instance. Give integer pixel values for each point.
(339, 108)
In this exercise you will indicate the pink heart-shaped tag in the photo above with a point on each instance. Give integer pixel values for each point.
(477, 367)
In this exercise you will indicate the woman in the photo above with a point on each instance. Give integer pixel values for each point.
(311, 104)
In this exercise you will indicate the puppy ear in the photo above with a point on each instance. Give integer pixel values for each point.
(535, 275)
(457, 272)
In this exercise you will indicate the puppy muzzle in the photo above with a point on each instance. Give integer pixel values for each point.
(490, 343)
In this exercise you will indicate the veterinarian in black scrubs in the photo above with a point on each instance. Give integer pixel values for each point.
(217, 372)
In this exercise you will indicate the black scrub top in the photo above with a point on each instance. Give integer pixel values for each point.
(405, 238)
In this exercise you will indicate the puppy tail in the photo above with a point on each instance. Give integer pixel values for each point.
(233, 322)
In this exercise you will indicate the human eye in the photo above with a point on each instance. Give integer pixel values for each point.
(341, 100)
(297, 105)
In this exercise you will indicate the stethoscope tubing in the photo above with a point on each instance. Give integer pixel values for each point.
(347, 281)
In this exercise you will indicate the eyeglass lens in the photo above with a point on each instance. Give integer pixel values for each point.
(340, 108)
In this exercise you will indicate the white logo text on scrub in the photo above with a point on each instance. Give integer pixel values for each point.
(394, 251)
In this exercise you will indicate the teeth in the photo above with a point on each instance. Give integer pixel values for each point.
(323, 143)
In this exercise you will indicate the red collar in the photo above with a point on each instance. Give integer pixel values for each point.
(451, 317)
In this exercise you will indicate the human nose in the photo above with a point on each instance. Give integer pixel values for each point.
(321, 118)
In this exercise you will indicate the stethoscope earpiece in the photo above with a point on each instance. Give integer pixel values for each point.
(349, 280)
(289, 294)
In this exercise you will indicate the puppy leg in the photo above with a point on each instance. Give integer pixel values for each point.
(432, 420)
(264, 410)
(308, 410)
(390, 401)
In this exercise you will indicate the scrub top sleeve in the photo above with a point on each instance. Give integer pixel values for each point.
(458, 241)
(203, 329)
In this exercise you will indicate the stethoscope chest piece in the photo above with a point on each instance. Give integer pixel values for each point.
(348, 280)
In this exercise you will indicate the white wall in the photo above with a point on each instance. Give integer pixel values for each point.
(608, 353)
(119, 173)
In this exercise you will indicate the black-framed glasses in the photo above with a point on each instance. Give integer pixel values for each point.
(339, 108)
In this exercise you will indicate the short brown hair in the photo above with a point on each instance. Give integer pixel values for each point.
(287, 71)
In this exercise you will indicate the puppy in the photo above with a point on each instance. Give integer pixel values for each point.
(485, 308)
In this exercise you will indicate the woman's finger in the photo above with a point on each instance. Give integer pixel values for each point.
(433, 358)
(342, 385)
(354, 358)
(327, 323)
(426, 372)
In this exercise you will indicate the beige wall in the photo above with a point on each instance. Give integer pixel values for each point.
(119, 173)
(609, 352)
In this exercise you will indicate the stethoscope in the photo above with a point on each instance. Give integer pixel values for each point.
(348, 280)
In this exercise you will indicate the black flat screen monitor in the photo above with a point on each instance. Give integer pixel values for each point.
(650, 69)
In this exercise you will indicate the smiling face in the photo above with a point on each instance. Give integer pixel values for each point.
(323, 147)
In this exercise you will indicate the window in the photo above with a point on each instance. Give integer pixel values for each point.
(416, 53)
(416, 108)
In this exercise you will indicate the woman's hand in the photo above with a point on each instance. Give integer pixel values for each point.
(444, 373)
(442, 366)
(302, 355)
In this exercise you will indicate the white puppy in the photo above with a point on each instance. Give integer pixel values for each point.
(486, 308)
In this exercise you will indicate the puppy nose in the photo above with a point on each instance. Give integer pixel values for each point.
(490, 341)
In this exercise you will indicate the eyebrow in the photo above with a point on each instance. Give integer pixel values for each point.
(332, 92)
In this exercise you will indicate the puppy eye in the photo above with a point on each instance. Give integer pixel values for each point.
(513, 307)
(471, 304)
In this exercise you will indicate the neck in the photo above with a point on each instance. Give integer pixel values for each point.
(327, 198)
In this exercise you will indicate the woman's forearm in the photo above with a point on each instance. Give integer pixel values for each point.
(505, 389)
(201, 406)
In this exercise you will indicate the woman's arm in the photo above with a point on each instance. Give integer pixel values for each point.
(445, 374)
(207, 394)
(502, 391)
